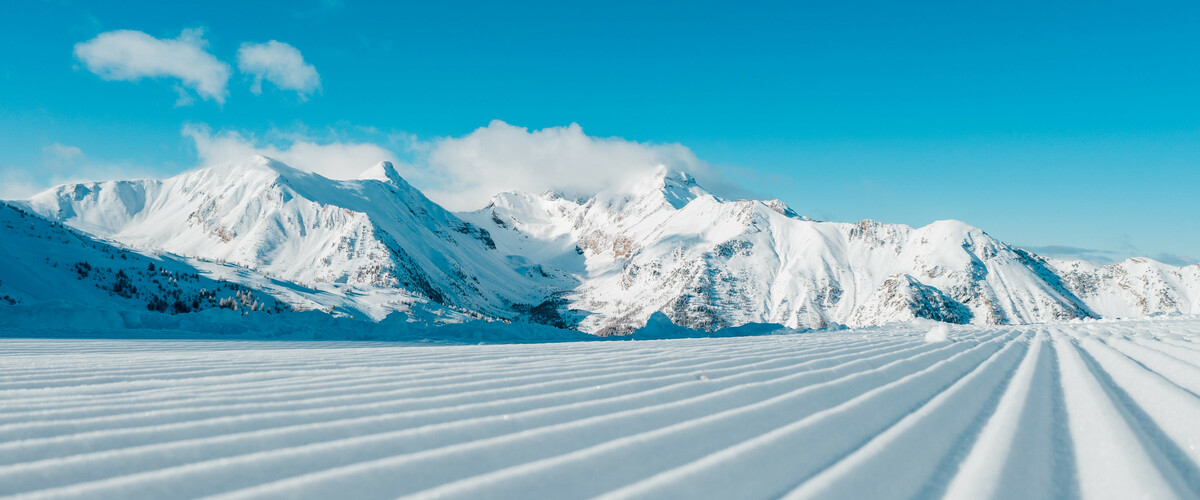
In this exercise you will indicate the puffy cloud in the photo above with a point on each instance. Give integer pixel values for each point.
(132, 55)
(280, 64)
(462, 173)
(333, 159)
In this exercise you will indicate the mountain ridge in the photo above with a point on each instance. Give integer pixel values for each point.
(604, 264)
(261, 214)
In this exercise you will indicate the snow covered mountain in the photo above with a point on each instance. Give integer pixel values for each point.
(660, 243)
(374, 233)
(42, 262)
(1133, 288)
(664, 243)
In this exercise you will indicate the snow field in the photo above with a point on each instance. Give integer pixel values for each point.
(1093, 410)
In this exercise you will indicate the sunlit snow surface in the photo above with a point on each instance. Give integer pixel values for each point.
(1098, 410)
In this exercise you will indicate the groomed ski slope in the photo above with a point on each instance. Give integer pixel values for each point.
(1093, 410)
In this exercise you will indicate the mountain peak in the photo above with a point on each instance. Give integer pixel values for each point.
(382, 171)
(669, 175)
(261, 162)
(951, 228)
(783, 209)
(676, 187)
(252, 167)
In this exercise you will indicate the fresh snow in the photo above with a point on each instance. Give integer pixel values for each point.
(939, 333)
(1091, 409)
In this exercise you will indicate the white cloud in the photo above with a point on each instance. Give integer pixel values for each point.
(132, 55)
(333, 159)
(61, 154)
(463, 173)
(17, 184)
(280, 64)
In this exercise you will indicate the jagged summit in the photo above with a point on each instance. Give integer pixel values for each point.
(382, 171)
(680, 188)
(783, 209)
(675, 188)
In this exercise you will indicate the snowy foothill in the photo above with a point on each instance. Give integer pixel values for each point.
(1091, 409)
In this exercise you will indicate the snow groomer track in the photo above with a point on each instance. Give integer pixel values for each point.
(1095, 410)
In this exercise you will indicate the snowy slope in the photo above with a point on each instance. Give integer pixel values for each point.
(375, 233)
(53, 276)
(1092, 409)
(45, 263)
(663, 243)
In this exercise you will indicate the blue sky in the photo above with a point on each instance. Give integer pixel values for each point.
(1072, 128)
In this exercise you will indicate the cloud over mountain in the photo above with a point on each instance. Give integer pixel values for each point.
(333, 159)
(463, 172)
